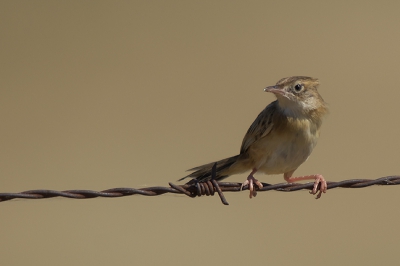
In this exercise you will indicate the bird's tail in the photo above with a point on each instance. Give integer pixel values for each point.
(203, 172)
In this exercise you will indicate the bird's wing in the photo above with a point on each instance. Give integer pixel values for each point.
(260, 127)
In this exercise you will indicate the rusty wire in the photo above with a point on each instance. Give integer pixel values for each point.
(193, 190)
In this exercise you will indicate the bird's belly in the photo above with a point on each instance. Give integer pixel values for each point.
(281, 156)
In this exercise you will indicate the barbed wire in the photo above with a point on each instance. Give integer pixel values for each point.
(208, 188)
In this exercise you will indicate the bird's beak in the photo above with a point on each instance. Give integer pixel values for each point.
(274, 90)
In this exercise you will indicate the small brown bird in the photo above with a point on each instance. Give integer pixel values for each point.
(280, 139)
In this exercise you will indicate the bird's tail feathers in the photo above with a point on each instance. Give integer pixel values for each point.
(203, 172)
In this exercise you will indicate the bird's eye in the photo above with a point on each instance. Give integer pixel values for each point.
(298, 87)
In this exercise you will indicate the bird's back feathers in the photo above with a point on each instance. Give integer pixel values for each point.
(261, 126)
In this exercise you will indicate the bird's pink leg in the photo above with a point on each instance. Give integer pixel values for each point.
(251, 181)
(318, 179)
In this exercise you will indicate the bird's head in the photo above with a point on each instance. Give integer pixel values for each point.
(298, 95)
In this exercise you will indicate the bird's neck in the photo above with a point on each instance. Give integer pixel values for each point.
(301, 110)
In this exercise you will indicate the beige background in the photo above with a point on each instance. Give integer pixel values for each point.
(103, 94)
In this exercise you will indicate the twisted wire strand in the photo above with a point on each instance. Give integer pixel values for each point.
(208, 188)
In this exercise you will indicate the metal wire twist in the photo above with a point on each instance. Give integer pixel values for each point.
(194, 190)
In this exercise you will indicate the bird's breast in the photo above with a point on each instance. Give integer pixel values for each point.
(285, 148)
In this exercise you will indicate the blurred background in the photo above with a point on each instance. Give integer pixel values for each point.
(103, 94)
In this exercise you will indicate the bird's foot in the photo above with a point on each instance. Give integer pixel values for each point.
(251, 181)
(319, 179)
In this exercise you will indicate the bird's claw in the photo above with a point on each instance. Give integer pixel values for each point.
(251, 181)
(319, 179)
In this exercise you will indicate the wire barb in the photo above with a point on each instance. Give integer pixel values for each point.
(193, 190)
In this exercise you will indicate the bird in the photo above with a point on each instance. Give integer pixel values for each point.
(279, 140)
